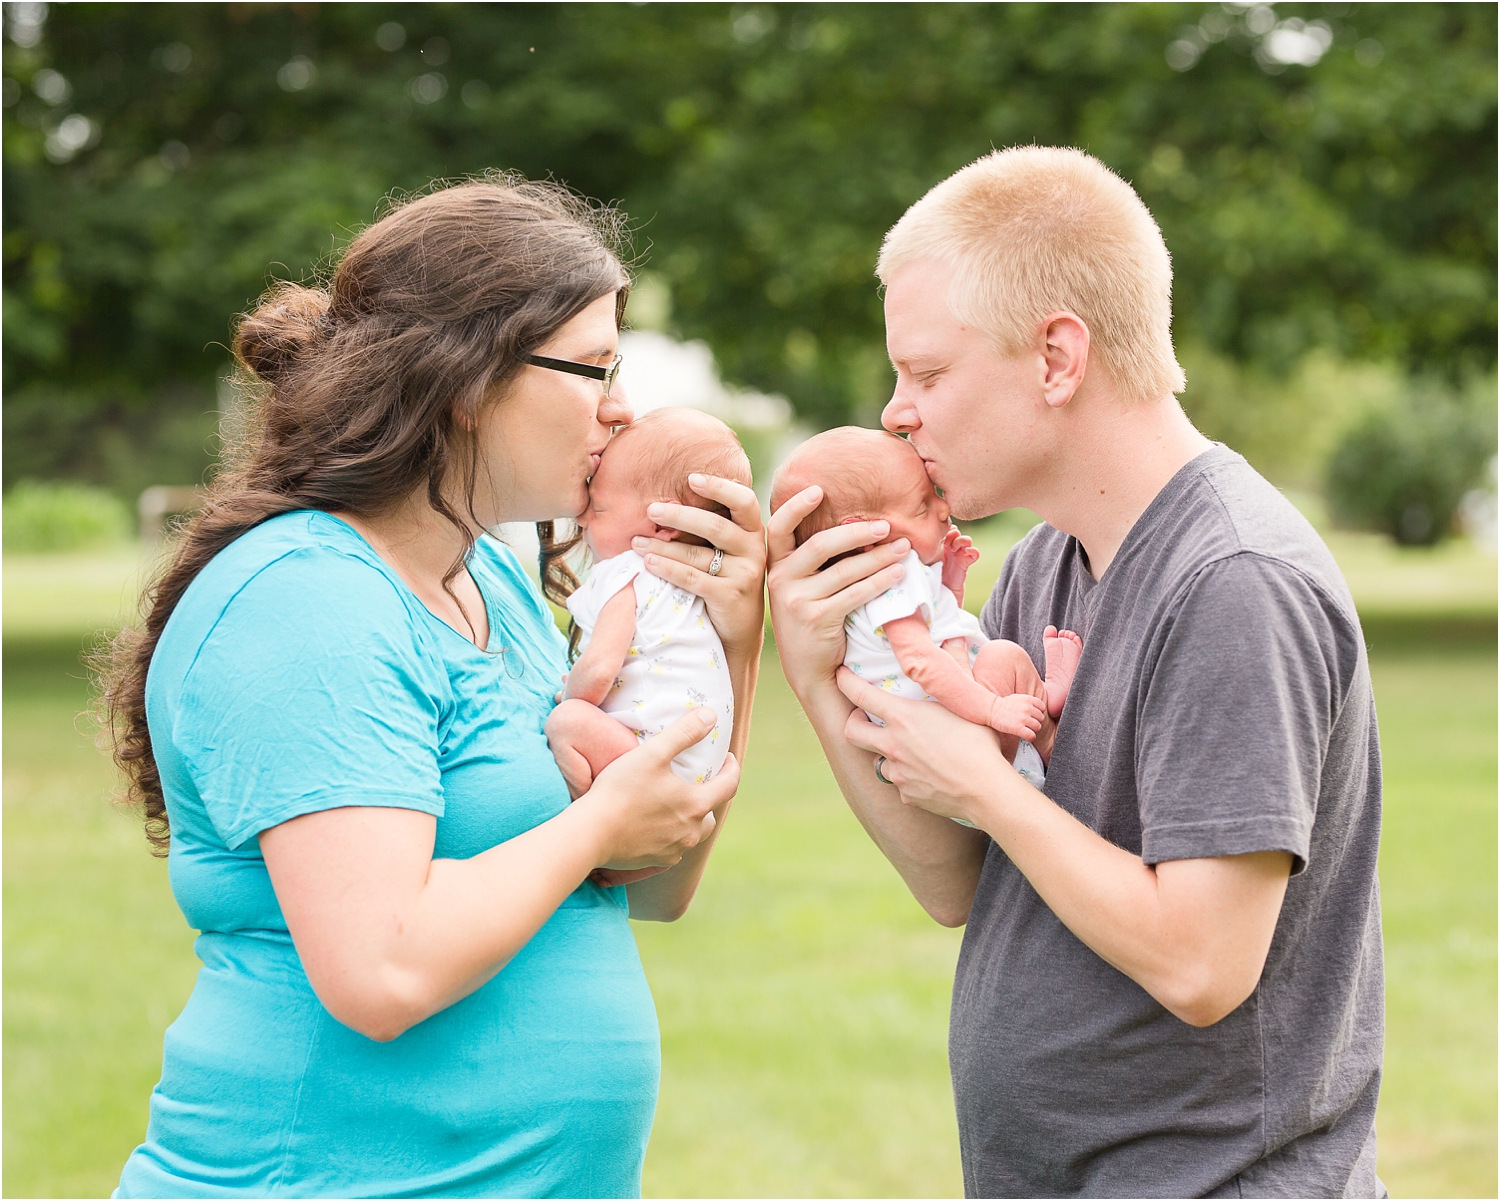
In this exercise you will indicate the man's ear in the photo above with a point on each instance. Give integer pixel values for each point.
(1065, 356)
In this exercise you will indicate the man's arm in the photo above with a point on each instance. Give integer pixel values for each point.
(939, 860)
(594, 674)
(1193, 933)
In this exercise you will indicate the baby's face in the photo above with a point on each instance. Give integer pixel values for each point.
(616, 510)
(919, 513)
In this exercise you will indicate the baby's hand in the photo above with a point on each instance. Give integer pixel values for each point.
(1019, 714)
(958, 556)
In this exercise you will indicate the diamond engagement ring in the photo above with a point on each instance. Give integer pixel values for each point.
(880, 775)
(716, 565)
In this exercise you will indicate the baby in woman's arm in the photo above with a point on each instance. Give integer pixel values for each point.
(915, 639)
(647, 652)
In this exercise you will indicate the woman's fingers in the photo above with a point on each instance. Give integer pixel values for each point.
(687, 730)
(720, 531)
(742, 503)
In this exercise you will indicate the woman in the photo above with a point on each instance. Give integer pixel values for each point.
(334, 713)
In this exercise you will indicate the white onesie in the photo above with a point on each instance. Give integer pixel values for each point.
(675, 661)
(868, 653)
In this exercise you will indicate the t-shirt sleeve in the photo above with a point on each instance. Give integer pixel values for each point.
(911, 594)
(1237, 714)
(311, 692)
(604, 580)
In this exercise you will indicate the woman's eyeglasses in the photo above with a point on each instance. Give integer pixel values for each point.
(605, 375)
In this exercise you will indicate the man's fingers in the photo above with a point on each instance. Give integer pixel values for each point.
(861, 732)
(839, 540)
(781, 530)
(865, 696)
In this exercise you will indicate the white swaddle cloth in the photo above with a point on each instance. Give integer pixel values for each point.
(868, 653)
(675, 662)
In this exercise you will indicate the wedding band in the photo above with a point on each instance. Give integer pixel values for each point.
(717, 563)
(880, 775)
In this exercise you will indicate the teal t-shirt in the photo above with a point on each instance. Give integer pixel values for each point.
(299, 673)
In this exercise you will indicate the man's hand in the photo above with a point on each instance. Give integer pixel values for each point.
(808, 605)
(1194, 933)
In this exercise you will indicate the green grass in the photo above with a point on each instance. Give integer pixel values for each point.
(803, 1001)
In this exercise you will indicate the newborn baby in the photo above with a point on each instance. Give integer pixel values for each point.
(647, 652)
(915, 640)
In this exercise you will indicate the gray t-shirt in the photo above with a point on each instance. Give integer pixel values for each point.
(1222, 706)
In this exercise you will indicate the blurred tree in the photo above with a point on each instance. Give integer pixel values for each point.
(1325, 174)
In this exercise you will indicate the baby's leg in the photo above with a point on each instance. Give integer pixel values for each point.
(1062, 649)
(584, 741)
(1007, 670)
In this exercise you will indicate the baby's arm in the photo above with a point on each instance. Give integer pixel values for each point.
(595, 671)
(958, 556)
(941, 677)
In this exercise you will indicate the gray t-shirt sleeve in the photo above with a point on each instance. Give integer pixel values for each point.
(1236, 715)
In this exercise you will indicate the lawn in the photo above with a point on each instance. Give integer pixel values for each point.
(804, 1000)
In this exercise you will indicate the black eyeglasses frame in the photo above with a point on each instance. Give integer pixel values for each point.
(605, 375)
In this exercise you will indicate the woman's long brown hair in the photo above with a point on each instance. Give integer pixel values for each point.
(362, 393)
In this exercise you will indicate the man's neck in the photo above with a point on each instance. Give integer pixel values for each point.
(1117, 460)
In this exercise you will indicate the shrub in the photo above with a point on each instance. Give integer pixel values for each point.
(47, 516)
(1402, 469)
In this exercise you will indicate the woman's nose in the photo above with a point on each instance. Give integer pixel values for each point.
(615, 408)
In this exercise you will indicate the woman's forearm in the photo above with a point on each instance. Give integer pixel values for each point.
(382, 960)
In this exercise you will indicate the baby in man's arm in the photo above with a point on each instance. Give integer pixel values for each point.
(647, 652)
(915, 639)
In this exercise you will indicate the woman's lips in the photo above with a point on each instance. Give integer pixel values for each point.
(594, 465)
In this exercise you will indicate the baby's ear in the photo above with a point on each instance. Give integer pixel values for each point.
(850, 520)
(665, 533)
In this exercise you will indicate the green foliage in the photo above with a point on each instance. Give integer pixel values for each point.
(42, 517)
(1402, 469)
(762, 151)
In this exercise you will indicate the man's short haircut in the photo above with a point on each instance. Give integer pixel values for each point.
(1035, 230)
(843, 462)
(677, 442)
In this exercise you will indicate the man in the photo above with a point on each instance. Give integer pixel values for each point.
(1171, 982)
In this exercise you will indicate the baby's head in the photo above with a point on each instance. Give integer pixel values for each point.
(865, 475)
(650, 460)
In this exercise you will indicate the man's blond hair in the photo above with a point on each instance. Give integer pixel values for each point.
(1035, 230)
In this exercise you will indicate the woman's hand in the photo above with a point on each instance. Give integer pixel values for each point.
(808, 606)
(735, 597)
(390, 935)
(647, 817)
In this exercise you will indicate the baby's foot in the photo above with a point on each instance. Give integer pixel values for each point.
(1062, 649)
(1019, 714)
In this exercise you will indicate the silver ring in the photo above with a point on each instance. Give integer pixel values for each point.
(880, 775)
(716, 565)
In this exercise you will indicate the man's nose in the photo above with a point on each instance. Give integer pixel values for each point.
(900, 416)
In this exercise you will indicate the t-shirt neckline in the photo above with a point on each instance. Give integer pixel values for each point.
(1143, 525)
